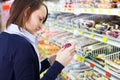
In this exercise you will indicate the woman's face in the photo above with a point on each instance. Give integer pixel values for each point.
(36, 19)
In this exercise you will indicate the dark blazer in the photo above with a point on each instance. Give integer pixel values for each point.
(19, 61)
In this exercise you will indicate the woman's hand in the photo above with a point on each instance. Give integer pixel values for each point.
(65, 55)
(51, 59)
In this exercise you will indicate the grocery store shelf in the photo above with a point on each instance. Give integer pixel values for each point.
(106, 39)
(94, 65)
(67, 76)
(100, 37)
(98, 68)
(93, 35)
(104, 71)
(87, 10)
(69, 27)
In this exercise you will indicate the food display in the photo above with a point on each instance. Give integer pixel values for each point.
(92, 3)
(88, 48)
(66, 45)
(113, 62)
(47, 49)
(101, 24)
(91, 75)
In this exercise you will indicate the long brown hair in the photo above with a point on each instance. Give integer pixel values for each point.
(18, 8)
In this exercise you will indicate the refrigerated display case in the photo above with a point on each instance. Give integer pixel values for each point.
(90, 19)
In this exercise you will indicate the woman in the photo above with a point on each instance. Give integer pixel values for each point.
(18, 50)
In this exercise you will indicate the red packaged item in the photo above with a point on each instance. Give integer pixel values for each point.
(66, 45)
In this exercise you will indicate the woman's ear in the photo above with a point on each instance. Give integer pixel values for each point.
(26, 11)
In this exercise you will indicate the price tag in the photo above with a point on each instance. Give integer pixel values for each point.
(64, 75)
(104, 39)
(91, 65)
(85, 10)
(108, 12)
(73, 30)
(100, 11)
(81, 59)
(92, 35)
(65, 28)
(92, 10)
(118, 13)
(96, 26)
(107, 74)
(81, 32)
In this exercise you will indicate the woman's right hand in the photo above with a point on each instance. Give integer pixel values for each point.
(64, 55)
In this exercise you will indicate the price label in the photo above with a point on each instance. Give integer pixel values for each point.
(96, 26)
(65, 28)
(100, 11)
(118, 13)
(104, 39)
(85, 10)
(81, 59)
(92, 10)
(73, 30)
(81, 32)
(108, 12)
(64, 75)
(92, 35)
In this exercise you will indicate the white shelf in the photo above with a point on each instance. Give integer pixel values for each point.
(97, 67)
(59, 7)
(98, 37)
(102, 70)
(113, 11)
(67, 76)
(93, 35)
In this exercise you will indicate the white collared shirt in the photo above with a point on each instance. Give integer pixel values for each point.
(14, 29)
